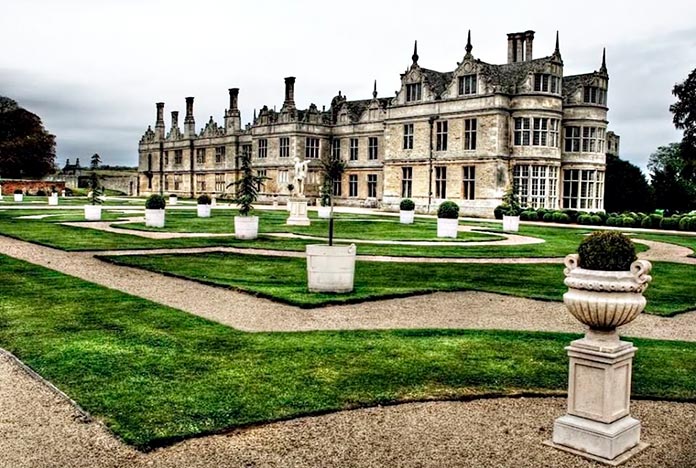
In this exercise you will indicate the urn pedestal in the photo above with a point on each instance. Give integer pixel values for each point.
(298, 212)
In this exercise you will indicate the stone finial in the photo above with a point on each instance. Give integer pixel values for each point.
(469, 47)
(603, 68)
(557, 50)
(414, 57)
(374, 90)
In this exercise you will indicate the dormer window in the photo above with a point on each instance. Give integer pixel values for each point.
(547, 83)
(413, 92)
(595, 95)
(467, 85)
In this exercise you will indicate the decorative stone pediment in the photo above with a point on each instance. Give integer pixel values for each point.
(212, 129)
(148, 136)
(175, 134)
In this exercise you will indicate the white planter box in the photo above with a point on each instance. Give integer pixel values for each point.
(93, 212)
(330, 269)
(203, 211)
(18, 197)
(511, 223)
(154, 218)
(172, 200)
(53, 200)
(447, 227)
(246, 227)
(406, 217)
(324, 211)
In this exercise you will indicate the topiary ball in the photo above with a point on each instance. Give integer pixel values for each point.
(607, 251)
(448, 210)
(204, 200)
(499, 211)
(548, 216)
(407, 205)
(155, 202)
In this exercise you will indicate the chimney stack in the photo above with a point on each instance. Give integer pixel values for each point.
(175, 119)
(159, 124)
(529, 41)
(234, 98)
(233, 119)
(189, 121)
(520, 46)
(289, 92)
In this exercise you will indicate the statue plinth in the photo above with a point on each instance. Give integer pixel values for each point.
(298, 212)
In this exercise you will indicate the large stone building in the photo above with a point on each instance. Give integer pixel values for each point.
(464, 135)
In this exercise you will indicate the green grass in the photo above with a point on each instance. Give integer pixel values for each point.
(155, 374)
(285, 279)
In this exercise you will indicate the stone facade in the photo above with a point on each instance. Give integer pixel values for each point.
(465, 135)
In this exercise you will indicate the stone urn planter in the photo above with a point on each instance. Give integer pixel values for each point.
(93, 212)
(324, 212)
(154, 218)
(330, 268)
(246, 227)
(598, 423)
(511, 223)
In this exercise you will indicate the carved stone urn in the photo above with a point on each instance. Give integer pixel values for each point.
(598, 424)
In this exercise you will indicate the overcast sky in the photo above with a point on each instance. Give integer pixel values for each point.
(93, 69)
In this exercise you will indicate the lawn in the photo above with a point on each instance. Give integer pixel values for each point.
(155, 375)
(285, 279)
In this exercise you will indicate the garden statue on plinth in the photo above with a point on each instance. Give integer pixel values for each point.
(605, 291)
(298, 203)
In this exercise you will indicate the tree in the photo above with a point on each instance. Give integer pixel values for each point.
(95, 162)
(626, 188)
(672, 189)
(26, 148)
(684, 118)
(333, 169)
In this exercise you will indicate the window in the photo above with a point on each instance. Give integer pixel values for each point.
(469, 182)
(178, 157)
(594, 95)
(372, 148)
(408, 136)
(312, 148)
(583, 189)
(166, 158)
(413, 92)
(584, 139)
(284, 147)
(149, 162)
(546, 83)
(283, 178)
(200, 183)
(371, 185)
(263, 147)
(353, 149)
(178, 182)
(406, 182)
(522, 133)
(200, 155)
(536, 131)
(336, 149)
(441, 135)
(246, 150)
(536, 185)
(467, 84)
(219, 154)
(166, 182)
(260, 173)
(353, 185)
(440, 182)
(337, 188)
(312, 177)
(470, 134)
(220, 182)
(540, 133)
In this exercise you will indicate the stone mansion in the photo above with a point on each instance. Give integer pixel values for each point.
(464, 135)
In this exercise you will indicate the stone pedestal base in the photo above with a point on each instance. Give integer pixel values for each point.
(598, 423)
(298, 212)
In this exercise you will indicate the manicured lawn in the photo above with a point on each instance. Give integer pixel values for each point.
(155, 374)
(285, 279)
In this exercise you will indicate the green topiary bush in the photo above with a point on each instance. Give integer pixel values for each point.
(596, 220)
(628, 221)
(529, 215)
(548, 216)
(448, 210)
(560, 217)
(585, 219)
(155, 202)
(655, 219)
(18, 192)
(407, 205)
(670, 223)
(499, 211)
(572, 215)
(607, 251)
(613, 221)
(646, 222)
(204, 200)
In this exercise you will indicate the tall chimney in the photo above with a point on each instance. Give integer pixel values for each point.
(189, 121)
(175, 119)
(159, 124)
(511, 48)
(234, 98)
(529, 41)
(289, 91)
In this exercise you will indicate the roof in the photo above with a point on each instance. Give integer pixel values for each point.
(438, 81)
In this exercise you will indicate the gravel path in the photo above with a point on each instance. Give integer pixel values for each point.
(39, 429)
(245, 312)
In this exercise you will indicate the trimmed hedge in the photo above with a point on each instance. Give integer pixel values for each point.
(407, 205)
(155, 202)
(448, 210)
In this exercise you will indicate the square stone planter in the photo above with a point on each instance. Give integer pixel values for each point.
(203, 211)
(324, 211)
(246, 227)
(93, 212)
(154, 218)
(18, 197)
(447, 227)
(406, 217)
(172, 200)
(53, 200)
(330, 268)
(511, 223)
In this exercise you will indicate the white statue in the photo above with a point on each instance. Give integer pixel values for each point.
(300, 174)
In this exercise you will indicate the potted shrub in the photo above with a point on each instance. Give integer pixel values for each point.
(18, 195)
(154, 211)
(93, 210)
(203, 206)
(406, 211)
(331, 268)
(511, 213)
(247, 192)
(447, 219)
(172, 199)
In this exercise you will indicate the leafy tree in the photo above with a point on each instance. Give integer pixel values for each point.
(672, 189)
(626, 188)
(26, 148)
(95, 162)
(95, 193)
(247, 187)
(684, 118)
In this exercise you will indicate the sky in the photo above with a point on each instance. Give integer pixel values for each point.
(93, 69)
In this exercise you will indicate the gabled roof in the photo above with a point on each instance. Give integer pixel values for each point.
(437, 81)
(510, 76)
